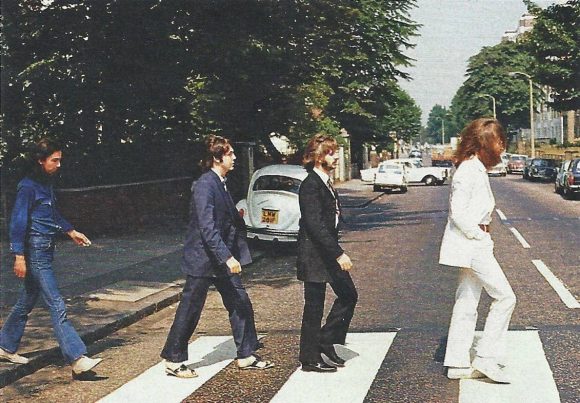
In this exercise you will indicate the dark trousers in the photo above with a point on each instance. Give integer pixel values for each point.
(236, 301)
(334, 331)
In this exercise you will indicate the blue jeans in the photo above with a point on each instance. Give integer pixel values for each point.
(40, 280)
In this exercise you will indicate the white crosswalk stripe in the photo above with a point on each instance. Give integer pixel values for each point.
(531, 376)
(364, 354)
(526, 363)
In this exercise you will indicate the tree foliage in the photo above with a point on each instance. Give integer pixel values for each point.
(554, 42)
(129, 81)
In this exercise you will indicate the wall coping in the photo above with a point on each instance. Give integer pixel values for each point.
(100, 187)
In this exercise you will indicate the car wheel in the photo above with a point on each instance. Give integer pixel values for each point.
(429, 180)
(566, 193)
(556, 188)
(404, 189)
(376, 188)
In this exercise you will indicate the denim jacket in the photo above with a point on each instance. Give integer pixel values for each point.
(34, 213)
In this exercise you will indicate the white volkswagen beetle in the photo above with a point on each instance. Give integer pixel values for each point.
(271, 210)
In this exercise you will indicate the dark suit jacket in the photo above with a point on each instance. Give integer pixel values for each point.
(216, 231)
(318, 245)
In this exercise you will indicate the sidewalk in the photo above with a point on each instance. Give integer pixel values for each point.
(114, 283)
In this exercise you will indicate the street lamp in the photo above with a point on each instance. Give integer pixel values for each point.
(532, 135)
(492, 102)
(442, 129)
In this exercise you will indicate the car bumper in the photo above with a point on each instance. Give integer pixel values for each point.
(268, 234)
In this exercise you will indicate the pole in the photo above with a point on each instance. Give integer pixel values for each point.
(442, 132)
(532, 135)
(493, 103)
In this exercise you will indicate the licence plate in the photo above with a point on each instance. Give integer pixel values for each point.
(269, 216)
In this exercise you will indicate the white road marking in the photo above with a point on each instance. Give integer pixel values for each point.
(501, 214)
(208, 355)
(530, 373)
(556, 219)
(364, 353)
(565, 295)
(520, 238)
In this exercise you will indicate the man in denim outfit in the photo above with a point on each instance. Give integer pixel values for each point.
(33, 226)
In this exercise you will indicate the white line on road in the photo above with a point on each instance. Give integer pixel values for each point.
(530, 373)
(351, 383)
(501, 214)
(208, 355)
(520, 238)
(563, 292)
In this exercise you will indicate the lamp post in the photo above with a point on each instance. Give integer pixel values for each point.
(492, 102)
(532, 135)
(442, 129)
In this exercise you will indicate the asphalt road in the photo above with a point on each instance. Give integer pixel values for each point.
(405, 297)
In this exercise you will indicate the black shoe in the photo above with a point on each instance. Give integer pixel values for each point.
(330, 353)
(318, 367)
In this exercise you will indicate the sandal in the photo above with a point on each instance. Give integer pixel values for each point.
(258, 363)
(181, 372)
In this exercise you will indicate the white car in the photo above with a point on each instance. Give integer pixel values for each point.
(497, 170)
(368, 175)
(271, 210)
(391, 176)
(420, 174)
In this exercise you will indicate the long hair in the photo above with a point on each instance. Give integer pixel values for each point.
(479, 137)
(317, 148)
(40, 151)
(215, 147)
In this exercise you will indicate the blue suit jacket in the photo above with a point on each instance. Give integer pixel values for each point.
(216, 231)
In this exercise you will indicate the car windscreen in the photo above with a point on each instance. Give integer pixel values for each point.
(385, 168)
(517, 158)
(277, 182)
(544, 163)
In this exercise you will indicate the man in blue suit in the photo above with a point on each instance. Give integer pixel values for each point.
(214, 252)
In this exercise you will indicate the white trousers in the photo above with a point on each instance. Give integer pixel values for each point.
(485, 273)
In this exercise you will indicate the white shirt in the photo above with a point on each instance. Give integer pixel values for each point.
(223, 179)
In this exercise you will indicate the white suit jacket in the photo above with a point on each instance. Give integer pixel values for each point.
(471, 203)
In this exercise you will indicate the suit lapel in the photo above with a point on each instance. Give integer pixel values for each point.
(227, 198)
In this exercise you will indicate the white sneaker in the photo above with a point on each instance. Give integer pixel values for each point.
(13, 357)
(85, 364)
(463, 373)
(491, 369)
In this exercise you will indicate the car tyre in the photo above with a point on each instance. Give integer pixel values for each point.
(404, 189)
(429, 180)
(376, 188)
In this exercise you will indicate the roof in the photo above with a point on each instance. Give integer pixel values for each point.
(292, 171)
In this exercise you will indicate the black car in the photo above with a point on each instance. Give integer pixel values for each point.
(571, 179)
(541, 169)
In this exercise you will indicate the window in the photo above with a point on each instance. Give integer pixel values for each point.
(277, 182)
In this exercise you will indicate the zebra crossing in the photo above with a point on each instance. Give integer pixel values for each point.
(528, 367)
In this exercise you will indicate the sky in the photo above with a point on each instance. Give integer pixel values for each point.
(452, 32)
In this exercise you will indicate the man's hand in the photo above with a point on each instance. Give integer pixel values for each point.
(344, 262)
(20, 266)
(79, 238)
(234, 265)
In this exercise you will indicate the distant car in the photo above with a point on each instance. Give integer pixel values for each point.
(391, 176)
(540, 169)
(497, 170)
(271, 210)
(516, 163)
(571, 186)
(442, 163)
(561, 176)
(368, 175)
(415, 154)
(430, 176)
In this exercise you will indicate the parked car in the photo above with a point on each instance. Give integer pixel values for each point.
(415, 154)
(516, 163)
(497, 170)
(391, 176)
(571, 186)
(561, 176)
(368, 175)
(271, 210)
(540, 169)
(420, 174)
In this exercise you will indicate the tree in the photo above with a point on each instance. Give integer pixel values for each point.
(554, 42)
(487, 73)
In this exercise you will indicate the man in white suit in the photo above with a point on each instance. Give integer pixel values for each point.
(467, 244)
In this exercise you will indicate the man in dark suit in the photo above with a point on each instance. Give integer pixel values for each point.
(214, 252)
(321, 260)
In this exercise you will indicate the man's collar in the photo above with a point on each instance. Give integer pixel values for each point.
(478, 163)
(218, 173)
(323, 175)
